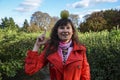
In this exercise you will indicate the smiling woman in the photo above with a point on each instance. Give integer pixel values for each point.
(63, 51)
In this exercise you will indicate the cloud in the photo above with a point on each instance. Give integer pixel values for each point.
(83, 3)
(87, 3)
(28, 5)
(105, 0)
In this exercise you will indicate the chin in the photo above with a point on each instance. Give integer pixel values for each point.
(65, 40)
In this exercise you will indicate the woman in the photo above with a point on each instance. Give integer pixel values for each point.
(64, 53)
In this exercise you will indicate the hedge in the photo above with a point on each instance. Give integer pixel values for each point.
(103, 52)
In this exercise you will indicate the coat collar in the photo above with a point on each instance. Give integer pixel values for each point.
(56, 60)
(78, 47)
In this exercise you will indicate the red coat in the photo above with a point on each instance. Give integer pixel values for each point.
(76, 67)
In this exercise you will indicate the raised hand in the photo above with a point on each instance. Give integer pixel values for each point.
(40, 41)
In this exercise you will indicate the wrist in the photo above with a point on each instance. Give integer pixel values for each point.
(36, 47)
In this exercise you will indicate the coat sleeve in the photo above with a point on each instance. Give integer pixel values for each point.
(85, 75)
(34, 62)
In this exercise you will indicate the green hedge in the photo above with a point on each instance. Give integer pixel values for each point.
(103, 54)
(103, 51)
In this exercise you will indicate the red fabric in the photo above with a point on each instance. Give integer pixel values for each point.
(76, 67)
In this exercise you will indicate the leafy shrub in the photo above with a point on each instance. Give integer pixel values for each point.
(103, 52)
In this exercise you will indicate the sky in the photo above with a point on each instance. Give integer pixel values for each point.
(20, 10)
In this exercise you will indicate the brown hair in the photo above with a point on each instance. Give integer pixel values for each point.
(53, 42)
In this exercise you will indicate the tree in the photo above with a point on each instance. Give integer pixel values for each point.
(4, 23)
(74, 18)
(12, 23)
(8, 23)
(52, 22)
(25, 25)
(40, 19)
(101, 20)
(112, 17)
(33, 28)
(94, 22)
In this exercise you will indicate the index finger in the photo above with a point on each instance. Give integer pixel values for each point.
(44, 33)
(45, 30)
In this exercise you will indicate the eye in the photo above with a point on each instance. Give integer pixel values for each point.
(68, 27)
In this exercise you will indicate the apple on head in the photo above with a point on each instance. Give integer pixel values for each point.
(64, 14)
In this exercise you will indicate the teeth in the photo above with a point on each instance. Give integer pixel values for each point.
(64, 33)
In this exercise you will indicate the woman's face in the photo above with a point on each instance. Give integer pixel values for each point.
(65, 32)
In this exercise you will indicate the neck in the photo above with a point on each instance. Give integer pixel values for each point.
(65, 45)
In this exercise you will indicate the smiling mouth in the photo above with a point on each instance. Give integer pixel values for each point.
(65, 35)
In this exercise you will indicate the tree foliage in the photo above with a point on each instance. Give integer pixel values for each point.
(34, 28)
(25, 25)
(40, 19)
(98, 21)
(52, 22)
(112, 17)
(8, 23)
(74, 18)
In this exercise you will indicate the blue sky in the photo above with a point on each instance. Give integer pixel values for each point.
(20, 10)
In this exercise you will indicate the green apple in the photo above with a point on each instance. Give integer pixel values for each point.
(64, 14)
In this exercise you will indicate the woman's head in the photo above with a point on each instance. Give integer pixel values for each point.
(63, 30)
